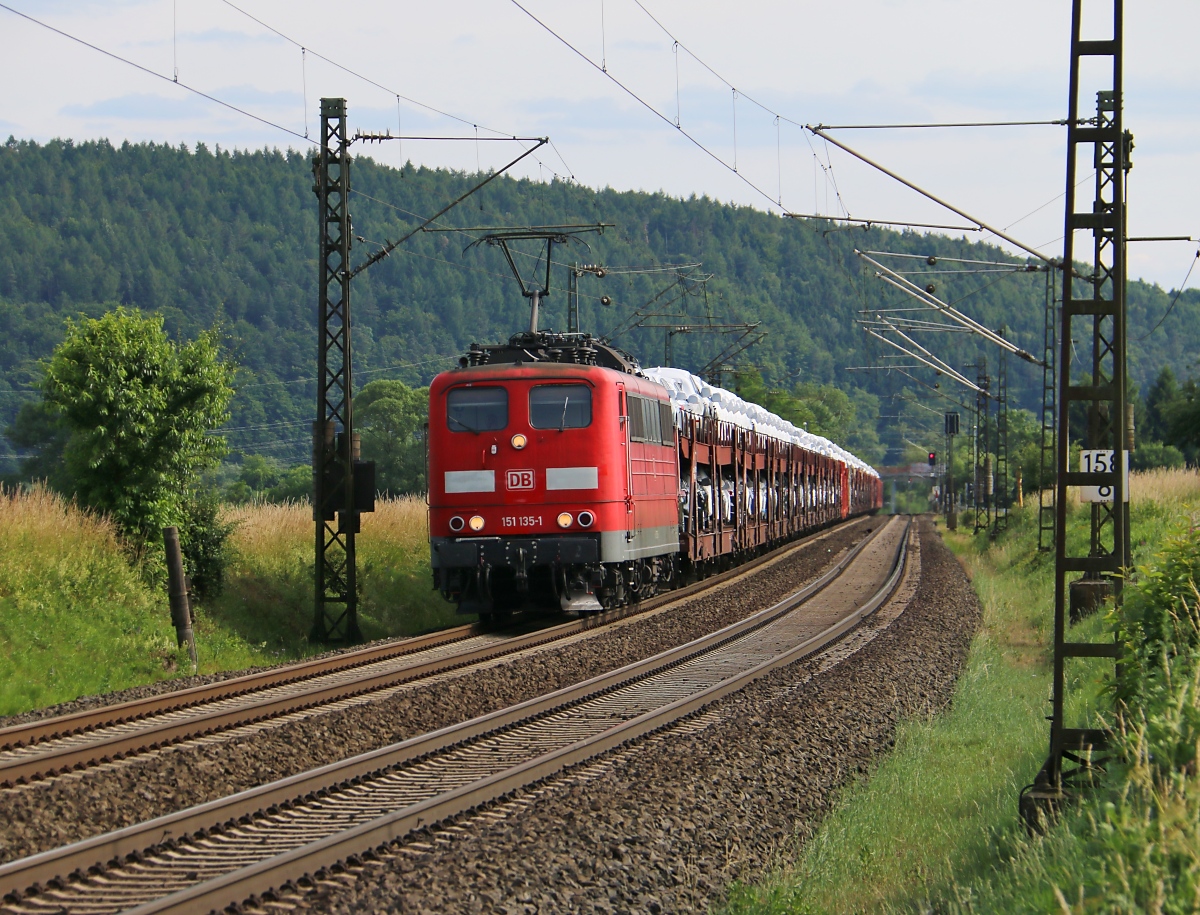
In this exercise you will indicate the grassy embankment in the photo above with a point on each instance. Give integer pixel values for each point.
(76, 619)
(936, 828)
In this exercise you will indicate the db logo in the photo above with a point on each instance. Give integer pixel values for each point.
(520, 479)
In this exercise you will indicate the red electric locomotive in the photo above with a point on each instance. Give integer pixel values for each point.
(560, 474)
(553, 475)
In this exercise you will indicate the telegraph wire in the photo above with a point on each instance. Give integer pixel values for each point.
(391, 246)
(924, 193)
(570, 173)
(258, 426)
(356, 74)
(819, 127)
(837, 191)
(442, 260)
(693, 56)
(1038, 210)
(304, 84)
(860, 222)
(930, 258)
(917, 403)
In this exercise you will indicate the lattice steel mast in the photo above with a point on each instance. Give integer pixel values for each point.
(1046, 474)
(983, 457)
(1072, 749)
(1001, 495)
(334, 443)
(344, 486)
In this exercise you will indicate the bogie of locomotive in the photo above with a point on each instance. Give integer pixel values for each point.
(560, 474)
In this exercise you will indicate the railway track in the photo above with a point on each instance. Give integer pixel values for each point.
(52, 746)
(239, 847)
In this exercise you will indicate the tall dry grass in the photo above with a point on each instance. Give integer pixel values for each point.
(1167, 487)
(1163, 486)
(403, 521)
(269, 588)
(59, 528)
(264, 530)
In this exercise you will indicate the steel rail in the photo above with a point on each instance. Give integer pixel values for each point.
(131, 843)
(159, 732)
(43, 729)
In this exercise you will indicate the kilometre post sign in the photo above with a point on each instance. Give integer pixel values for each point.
(1100, 461)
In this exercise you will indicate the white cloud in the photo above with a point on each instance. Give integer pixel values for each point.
(138, 107)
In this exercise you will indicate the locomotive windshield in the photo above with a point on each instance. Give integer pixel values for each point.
(560, 406)
(476, 409)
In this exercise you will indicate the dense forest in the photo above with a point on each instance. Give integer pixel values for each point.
(210, 238)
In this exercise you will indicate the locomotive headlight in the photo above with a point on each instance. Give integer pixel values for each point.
(457, 523)
(565, 519)
(476, 523)
(586, 519)
(519, 441)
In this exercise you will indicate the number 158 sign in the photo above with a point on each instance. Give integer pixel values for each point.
(1101, 462)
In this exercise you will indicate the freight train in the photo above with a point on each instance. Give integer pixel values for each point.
(562, 473)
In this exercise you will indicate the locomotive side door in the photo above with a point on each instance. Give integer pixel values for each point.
(630, 502)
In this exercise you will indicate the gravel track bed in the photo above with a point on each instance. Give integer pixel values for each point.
(58, 811)
(671, 823)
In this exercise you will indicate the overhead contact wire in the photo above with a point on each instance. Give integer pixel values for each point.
(641, 101)
(155, 73)
(366, 79)
(1171, 307)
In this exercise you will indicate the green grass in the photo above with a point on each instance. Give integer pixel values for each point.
(1132, 843)
(935, 828)
(76, 619)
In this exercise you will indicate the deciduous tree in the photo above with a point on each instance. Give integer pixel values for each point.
(139, 410)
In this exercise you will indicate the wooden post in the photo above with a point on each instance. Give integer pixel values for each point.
(181, 612)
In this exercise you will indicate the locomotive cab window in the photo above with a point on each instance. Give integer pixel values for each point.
(476, 409)
(560, 406)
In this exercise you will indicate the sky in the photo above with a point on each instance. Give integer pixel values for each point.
(609, 90)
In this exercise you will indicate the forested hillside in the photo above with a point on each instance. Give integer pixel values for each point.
(229, 239)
